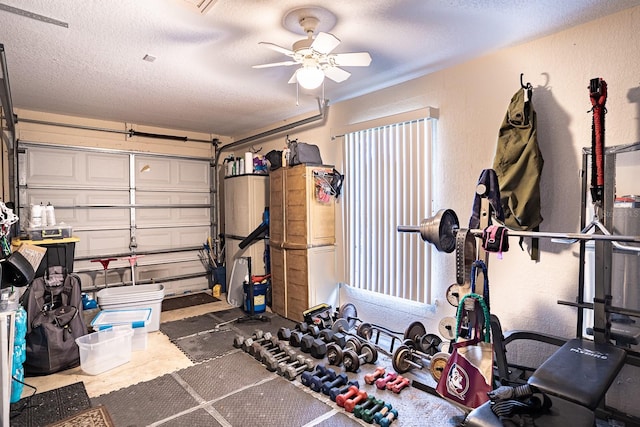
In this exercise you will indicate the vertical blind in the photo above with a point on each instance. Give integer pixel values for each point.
(388, 176)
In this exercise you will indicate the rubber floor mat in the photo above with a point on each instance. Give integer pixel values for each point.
(272, 403)
(216, 378)
(189, 326)
(50, 406)
(205, 346)
(199, 417)
(189, 300)
(147, 402)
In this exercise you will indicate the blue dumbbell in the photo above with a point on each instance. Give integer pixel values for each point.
(306, 377)
(318, 380)
(337, 382)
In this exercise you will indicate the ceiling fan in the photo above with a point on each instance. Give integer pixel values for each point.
(314, 56)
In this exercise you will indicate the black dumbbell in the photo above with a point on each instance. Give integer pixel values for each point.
(326, 335)
(337, 382)
(352, 361)
(239, 339)
(340, 339)
(315, 346)
(293, 371)
(306, 328)
(273, 361)
(305, 378)
(249, 341)
(296, 338)
(284, 333)
(317, 381)
(336, 391)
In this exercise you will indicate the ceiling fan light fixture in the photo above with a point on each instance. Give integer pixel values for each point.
(310, 76)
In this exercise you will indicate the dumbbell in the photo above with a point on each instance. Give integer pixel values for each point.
(368, 414)
(334, 354)
(336, 391)
(343, 397)
(351, 360)
(306, 376)
(337, 382)
(295, 361)
(388, 419)
(361, 407)
(398, 384)
(381, 383)
(350, 404)
(257, 346)
(284, 333)
(306, 328)
(326, 335)
(314, 346)
(292, 371)
(296, 338)
(371, 378)
(264, 352)
(273, 361)
(246, 344)
(239, 339)
(382, 412)
(317, 381)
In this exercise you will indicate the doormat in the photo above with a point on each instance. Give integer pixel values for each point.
(188, 300)
(50, 406)
(94, 417)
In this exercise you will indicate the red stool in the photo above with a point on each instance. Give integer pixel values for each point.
(105, 266)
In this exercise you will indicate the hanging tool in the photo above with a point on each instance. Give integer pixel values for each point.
(598, 96)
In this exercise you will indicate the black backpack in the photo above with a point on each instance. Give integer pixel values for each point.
(54, 320)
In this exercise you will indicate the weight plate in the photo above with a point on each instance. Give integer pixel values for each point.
(409, 343)
(334, 354)
(370, 353)
(453, 295)
(348, 311)
(448, 224)
(438, 363)
(415, 331)
(400, 359)
(350, 361)
(429, 343)
(445, 347)
(447, 328)
(340, 325)
(353, 344)
(365, 330)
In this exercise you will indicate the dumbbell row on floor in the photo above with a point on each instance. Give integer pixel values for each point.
(354, 354)
(291, 370)
(311, 340)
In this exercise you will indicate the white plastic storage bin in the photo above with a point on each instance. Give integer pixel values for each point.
(104, 350)
(138, 296)
(138, 319)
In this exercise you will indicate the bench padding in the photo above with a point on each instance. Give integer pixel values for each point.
(561, 414)
(580, 371)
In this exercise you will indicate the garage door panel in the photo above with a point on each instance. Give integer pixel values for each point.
(101, 242)
(172, 174)
(163, 238)
(107, 170)
(47, 167)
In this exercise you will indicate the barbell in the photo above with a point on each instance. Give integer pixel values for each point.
(441, 229)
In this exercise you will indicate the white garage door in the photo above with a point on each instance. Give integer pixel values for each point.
(122, 203)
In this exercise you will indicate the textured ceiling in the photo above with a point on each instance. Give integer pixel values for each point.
(202, 79)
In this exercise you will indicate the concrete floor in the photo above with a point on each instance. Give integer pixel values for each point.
(161, 357)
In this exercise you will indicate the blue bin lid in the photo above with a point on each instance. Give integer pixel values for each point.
(137, 318)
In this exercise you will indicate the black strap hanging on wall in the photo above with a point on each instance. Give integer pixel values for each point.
(598, 96)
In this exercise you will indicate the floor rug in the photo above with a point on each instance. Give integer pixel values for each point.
(92, 417)
(189, 300)
(50, 406)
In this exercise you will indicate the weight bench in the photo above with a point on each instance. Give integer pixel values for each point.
(580, 371)
(576, 376)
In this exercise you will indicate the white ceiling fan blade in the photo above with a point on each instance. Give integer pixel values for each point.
(336, 74)
(277, 48)
(356, 59)
(293, 78)
(325, 43)
(274, 64)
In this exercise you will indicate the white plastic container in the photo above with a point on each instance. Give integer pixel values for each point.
(104, 350)
(138, 319)
(138, 296)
